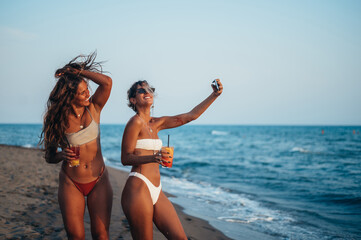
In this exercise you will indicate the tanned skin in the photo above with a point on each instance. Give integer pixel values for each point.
(136, 200)
(71, 200)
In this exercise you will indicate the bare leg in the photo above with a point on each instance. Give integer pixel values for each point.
(100, 202)
(72, 206)
(138, 208)
(166, 219)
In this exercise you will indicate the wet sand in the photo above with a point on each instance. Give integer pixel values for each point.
(29, 207)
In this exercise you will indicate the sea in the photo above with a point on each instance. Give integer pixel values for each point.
(286, 182)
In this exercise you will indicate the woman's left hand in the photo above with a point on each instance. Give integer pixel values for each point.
(220, 87)
(160, 156)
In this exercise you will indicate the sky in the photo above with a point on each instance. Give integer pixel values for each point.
(281, 62)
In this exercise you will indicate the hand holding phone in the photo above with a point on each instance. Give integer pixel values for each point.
(215, 84)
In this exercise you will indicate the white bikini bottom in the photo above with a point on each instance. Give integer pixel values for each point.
(153, 190)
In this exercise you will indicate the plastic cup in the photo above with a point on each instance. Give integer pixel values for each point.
(166, 160)
(75, 162)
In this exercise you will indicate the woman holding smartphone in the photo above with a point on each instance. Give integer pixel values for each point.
(143, 201)
(72, 119)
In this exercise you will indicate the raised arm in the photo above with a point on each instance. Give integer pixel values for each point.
(130, 136)
(102, 93)
(179, 120)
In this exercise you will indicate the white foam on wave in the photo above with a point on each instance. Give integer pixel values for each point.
(226, 206)
(27, 146)
(225, 209)
(299, 149)
(236, 220)
(215, 132)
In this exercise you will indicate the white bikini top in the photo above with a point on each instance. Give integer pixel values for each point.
(149, 144)
(85, 135)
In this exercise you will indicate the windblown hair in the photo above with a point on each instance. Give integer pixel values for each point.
(133, 91)
(59, 103)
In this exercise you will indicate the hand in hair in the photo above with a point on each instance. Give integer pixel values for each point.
(68, 69)
(78, 64)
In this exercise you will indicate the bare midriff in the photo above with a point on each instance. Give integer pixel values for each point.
(149, 170)
(91, 163)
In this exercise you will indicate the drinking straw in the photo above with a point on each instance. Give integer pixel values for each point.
(168, 140)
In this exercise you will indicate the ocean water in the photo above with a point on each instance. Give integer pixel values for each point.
(287, 182)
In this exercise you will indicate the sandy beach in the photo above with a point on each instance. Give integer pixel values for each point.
(30, 210)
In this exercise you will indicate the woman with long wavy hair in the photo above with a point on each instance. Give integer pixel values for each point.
(72, 118)
(143, 200)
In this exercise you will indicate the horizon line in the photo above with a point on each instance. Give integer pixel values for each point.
(226, 124)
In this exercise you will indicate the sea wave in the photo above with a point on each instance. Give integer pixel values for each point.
(258, 176)
(215, 132)
(226, 206)
(299, 149)
(28, 146)
(250, 220)
(194, 164)
(342, 199)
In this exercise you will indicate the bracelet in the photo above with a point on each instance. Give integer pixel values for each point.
(158, 154)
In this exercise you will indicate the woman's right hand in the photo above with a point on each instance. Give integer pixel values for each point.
(68, 154)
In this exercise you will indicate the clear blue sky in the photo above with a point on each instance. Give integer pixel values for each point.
(281, 62)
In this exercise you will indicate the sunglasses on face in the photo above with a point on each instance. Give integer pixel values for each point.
(145, 90)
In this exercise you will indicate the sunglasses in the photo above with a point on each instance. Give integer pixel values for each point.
(145, 90)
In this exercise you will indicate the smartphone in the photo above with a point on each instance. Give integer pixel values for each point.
(214, 83)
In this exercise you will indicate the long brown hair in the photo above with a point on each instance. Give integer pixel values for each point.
(59, 103)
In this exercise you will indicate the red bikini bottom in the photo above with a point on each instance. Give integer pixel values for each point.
(85, 188)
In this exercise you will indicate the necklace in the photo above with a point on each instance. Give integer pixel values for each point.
(80, 116)
(147, 126)
(150, 131)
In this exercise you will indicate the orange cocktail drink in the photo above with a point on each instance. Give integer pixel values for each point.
(75, 162)
(168, 161)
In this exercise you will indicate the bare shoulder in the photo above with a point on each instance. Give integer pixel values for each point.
(93, 111)
(134, 121)
(132, 128)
